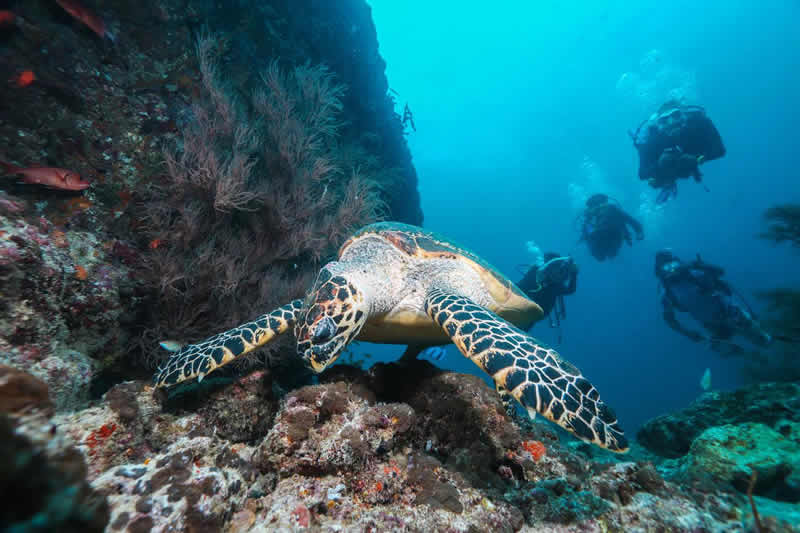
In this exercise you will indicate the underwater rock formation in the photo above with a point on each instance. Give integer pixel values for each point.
(342, 35)
(64, 299)
(131, 422)
(744, 441)
(671, 435)
(44, 479)
(90, 277)
(20, 392)
(735, 453)
(398, 448)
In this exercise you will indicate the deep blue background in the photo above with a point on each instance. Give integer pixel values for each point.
(511, 101)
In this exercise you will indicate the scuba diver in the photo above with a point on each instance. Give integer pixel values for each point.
(605, 225)
(408, 118)
(548, 282)
(697, 288)
(673, 143)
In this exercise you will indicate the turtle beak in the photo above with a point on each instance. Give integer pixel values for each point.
(321, 356)
(316, 367)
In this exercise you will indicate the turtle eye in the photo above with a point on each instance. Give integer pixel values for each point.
(324, 331)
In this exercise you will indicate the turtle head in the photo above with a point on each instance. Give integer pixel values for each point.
(333, 315)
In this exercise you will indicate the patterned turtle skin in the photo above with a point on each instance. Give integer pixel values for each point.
(399, 284)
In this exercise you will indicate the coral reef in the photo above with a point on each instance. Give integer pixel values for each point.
(180, 148)
(191, 487)
(44, 479)
(64, 301)
(130, 423)
(744, 442)
(734, 453)
(216, 190)
(401, 448)
(20, 392)
(770, 404)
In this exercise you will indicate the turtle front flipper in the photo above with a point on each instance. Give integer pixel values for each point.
(198, 360)
(521, 366)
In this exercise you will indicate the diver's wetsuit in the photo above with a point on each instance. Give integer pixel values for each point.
(674, 142)
(697, 289)
(605, 226)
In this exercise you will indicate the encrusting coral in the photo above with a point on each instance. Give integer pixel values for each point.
(376, 450)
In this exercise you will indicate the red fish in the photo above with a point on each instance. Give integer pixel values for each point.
(24, 78)
(56, 178)
(81, 13)
(6, 17)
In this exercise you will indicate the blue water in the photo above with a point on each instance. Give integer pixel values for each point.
(521, 108)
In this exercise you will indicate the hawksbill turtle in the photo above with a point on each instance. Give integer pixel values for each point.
(399, 284)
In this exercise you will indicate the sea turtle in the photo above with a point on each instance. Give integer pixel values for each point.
(399, 284)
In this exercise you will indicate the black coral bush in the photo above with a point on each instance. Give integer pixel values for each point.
(783, 305)
(261, 191)
(783, 224)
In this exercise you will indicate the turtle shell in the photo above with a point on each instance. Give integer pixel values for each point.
(509, 301)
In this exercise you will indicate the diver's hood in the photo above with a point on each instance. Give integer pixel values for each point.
(597, 199)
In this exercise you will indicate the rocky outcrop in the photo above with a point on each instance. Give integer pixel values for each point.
(671, 435)
(44, 482)
(749, 453)
(81, 306)
(403, 448)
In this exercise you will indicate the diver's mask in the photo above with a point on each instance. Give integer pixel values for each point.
(668, 268)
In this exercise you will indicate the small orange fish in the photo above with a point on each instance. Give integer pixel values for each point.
(155, 243)
(80, 273)
(56, 178)
(74, 205)
(59, 238)
(81, 13)
(6, 17)
(24, 78)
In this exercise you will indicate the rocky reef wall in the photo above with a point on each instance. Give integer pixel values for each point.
(220, 176)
